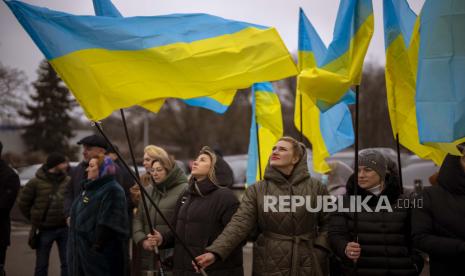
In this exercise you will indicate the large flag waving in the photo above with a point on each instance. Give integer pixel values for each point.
(267, 118)
(328, 132)
(342, 65)
(218, 102)
(112, 63)
(440, 99)
(399, 21)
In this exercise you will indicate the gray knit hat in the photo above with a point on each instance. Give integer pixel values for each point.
(374, 160)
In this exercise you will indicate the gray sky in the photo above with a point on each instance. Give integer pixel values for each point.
(17, 49)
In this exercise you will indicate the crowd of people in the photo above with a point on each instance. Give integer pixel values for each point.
(98, 216)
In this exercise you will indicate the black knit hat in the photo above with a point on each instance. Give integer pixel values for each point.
(374, 160)
(54, 159)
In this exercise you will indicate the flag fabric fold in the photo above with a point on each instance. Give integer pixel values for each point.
(267, 118)
(330, 131)
(110, 63)
(440, 100)
(218, 102)
(401, 45)
(342, 65)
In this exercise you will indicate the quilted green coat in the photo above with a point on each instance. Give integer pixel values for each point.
(288, 243)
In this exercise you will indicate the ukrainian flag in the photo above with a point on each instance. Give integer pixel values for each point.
(330, 131)
(342, 66)
(218, 102)
(401, 43)
(267, 118)
(111, 63)
(440, 97)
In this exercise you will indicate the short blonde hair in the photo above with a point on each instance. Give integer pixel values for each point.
(154, 152)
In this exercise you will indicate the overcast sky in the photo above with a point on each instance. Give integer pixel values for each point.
(18, 51)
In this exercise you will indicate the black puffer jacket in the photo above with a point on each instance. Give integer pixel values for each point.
(384, 237)
(37, 194)
(201, 216)
(439, 227)
(9, 186)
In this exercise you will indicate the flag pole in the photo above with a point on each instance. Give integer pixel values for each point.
(399, 164)
(158, 265)
(145, 194)
(357, 103)
(258, 149)
(301, 119)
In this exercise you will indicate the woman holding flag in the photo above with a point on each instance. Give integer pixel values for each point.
(201, 214)
(288, 243)
(378, 242)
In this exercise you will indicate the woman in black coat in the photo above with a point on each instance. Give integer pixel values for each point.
(201, 215)
(382, 245)
(438, 228)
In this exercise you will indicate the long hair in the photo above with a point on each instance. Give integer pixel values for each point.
(211, 172)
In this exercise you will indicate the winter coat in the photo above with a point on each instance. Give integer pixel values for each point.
(224, 173)
(384, 237)
(36, 195)
(288, 243)
(79, 175)
(9, 187)
(165, 195)
(438, 227)
(73, 188)
(99, 229)
(201, 215)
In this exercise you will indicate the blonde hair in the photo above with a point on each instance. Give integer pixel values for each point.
(297, 147)
(211, 172)
(154, 152)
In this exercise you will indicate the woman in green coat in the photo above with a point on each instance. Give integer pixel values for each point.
(168, 183)
(288, 243)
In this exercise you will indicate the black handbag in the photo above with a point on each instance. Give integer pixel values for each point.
(33, 240)
(34, 233)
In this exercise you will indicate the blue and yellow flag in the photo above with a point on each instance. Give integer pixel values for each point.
(267, 118)
(330, 131)
(218, 102)
(440, 97)
(399, 22)
(401, 31)
(342, 65)
(110, 63)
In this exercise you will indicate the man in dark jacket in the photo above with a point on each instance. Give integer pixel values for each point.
(9, 187)
(438, 228)
(93, 146)
(41, 202)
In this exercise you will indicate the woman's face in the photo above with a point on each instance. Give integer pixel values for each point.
(92, 169)
(158, 172)
(147, 162)
(368, 178)
(282, 156)
(201, 166)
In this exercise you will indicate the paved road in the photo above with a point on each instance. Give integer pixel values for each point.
(20, 259)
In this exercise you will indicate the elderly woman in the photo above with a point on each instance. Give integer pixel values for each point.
(168, 182)
(288, 243)
(438, 227)
(99, 224)
(381, 244)
(202, 213)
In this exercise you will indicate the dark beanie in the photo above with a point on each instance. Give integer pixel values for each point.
(54, 159)
(374, 160)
